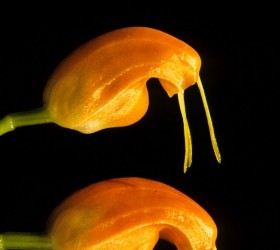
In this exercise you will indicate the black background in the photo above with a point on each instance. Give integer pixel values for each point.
(41, 165)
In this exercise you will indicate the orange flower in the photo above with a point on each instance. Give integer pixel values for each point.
(102, 84)
(131, 214)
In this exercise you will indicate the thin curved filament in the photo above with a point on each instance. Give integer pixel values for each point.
(187, 133)
(209, 121)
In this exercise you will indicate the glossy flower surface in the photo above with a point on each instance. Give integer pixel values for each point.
(130, 213)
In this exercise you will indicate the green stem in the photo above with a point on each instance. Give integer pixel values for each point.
(25, 118)
(24, 241)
